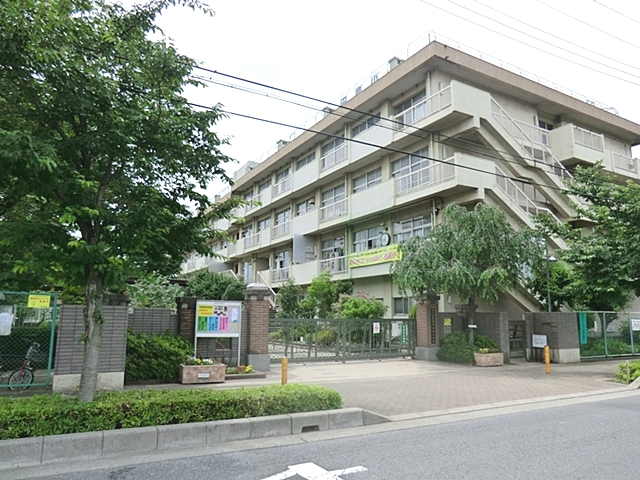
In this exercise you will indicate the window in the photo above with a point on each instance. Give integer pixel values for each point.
(367, 124)
(283, 181)
(247, 272)
(367, 180)
(332, 202)
(264, 224)
(402, 305)
(281, 266)
(545, 125)
(334, 152)
(248, 195)
(304, 161)
(411, 171)
(281, 226)
(283, 175)
(333, 248)
(306, 206)
(264, 185)
(413, 101)
(367, 239)
(248, 231)
(412, 227)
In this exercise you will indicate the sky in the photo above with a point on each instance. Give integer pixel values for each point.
(324, 49)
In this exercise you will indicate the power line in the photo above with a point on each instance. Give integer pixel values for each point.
(532, 46)
(415, 133)
(589, 25)
(619, 13)
(382, 147)
(556, 36)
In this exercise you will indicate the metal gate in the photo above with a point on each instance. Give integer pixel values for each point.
(516, 339)
(27, 335)
(305, 340)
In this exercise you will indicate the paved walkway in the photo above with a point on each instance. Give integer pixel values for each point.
(404, 388)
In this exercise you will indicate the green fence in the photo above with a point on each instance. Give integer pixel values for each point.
(608, 334)
(306, 340)
(27, 336)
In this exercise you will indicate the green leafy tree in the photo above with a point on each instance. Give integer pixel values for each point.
(323, 292)
(472, 254)
(558, 283)
(604, 260)
(103, 159)
(289, 296)
(360, 305)
(215, 286)
(154, 291)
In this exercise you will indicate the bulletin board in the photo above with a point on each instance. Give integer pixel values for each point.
(218, 319)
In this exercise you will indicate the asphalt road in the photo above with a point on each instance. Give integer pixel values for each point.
(595, 440)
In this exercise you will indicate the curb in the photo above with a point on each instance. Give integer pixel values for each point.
(27, 452)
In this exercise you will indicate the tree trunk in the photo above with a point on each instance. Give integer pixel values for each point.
(93, 322)
(471, 316)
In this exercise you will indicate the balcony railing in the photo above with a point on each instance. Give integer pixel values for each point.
(536, 134)
(334, 265)
(251, 240)
(624, 163)
(232, 249)
(282, 186)
(334, 157)
(334, 210)
(588, 139)
(281, 229)
(430, 175)
(427, 107)
(279, 274)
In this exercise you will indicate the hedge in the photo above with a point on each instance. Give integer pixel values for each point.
(155, 356)
(53, 414)
(456, 348)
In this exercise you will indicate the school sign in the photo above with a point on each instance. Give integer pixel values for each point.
(392, 253)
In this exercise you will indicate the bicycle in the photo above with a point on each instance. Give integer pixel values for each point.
(23, 377)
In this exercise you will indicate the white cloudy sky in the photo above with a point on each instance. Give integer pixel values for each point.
(324, 48)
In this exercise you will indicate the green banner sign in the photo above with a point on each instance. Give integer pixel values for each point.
(391, 253)
(582, 317)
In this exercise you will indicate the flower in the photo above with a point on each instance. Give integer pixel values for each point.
(200, 361)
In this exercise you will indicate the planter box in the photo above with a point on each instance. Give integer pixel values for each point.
(202, 373)
(489, 359)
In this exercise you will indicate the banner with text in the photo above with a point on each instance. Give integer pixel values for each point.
(392, 253)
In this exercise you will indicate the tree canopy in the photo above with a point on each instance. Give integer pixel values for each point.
(603, 259)
(473, 254)
(104, 160)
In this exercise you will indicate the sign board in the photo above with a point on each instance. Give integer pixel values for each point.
(538, 341)
(376, 327)
(404, 334)
(39, 301)
(218, 319)
(6, 321)
(635, 324)
(582, 318)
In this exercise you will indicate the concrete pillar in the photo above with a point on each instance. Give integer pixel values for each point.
(187, 317)
(256, 304)
(428, 328)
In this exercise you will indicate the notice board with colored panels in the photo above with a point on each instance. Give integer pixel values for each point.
(218, 319)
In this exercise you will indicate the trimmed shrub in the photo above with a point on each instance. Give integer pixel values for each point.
(54, 414)
(155, 357)
(634, 372)
(595, 348)
(456, 348)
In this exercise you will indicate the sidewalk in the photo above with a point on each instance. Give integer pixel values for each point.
(405, 388)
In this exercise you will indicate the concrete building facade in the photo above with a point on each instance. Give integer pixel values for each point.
(440, 127)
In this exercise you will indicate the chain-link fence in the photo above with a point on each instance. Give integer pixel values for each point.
(609, 334)
(340, 339)
(27, 334)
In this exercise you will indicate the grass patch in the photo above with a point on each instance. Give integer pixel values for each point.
(54, 414)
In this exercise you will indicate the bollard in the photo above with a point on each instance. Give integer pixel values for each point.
(285, 364)
(628, 374)
(547, 360)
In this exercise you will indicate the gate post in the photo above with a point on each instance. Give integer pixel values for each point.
(428, 329)
(256, 304)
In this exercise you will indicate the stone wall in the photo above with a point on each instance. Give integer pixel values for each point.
(154, 321)
(561, 330)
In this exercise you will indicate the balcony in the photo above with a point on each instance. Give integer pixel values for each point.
(334, 210)
(574, 145)
(279, 275)
(252, 240)
(427, 107)
(335, 265)
(623, 165)
(334, 157)
(282, 186)
(281, 230)
(430, 175)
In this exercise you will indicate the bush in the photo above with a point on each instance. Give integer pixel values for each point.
(634, 372)
(215, 286)
(151, 357)
(595, 348)
(326, 337)
(456, 348)
(54, 414)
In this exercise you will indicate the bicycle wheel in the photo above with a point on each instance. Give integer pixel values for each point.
(20, 379)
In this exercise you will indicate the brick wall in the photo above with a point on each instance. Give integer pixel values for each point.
(154, 321)
(69, 350)
(257, 307)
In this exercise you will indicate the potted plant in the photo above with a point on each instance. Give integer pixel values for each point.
(488, 357)
(202, 370)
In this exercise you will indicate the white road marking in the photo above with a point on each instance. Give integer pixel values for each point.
(311, 471)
